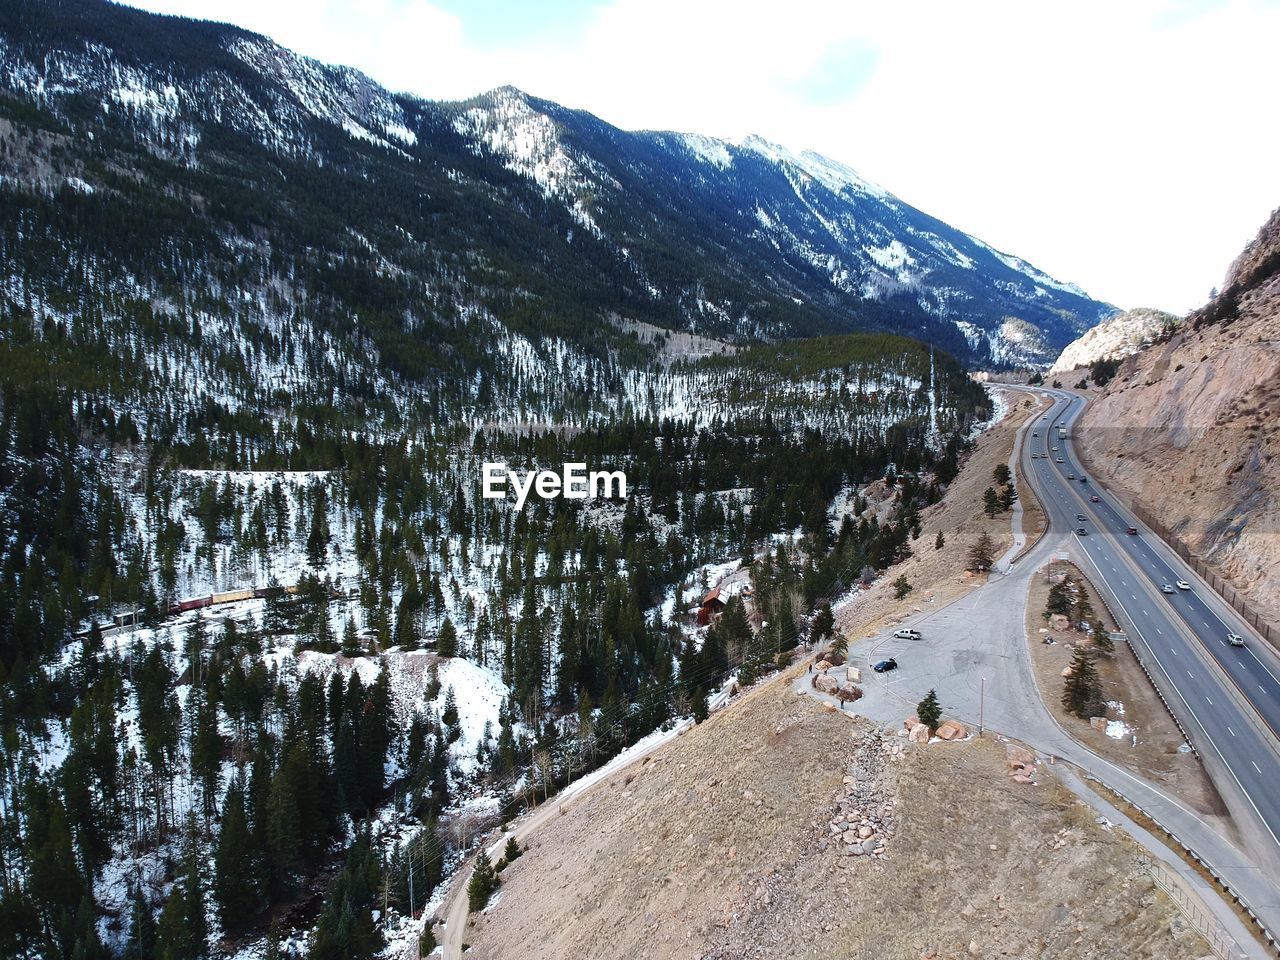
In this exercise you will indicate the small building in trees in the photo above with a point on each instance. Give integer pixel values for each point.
(712, 606)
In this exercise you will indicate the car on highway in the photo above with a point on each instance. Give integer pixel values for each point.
(1081, 532)
(1036, 436)
(1081, 517)
(1055, 449)
(1235, 639)
(1060, 460)
(906, 634)
(1071, 476)
(1182, 585)
(1095, 499)
(1132, 531)
(1084, 479)
(884, 666)
(1166, 588)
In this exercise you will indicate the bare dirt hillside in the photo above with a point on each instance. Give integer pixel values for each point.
(739, 841)
(1188, 427)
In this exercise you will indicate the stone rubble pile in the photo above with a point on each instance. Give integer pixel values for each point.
(864, 819)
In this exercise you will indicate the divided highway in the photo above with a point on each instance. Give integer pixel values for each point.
(1227, 697)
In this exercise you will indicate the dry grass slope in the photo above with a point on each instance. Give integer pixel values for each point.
(718, 848)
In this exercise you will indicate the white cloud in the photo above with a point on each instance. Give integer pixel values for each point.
(1125, 146)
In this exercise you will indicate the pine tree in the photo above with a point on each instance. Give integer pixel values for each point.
(483, 882)
(901, 587)
(237, 866)
(823, 623)
(839, 646)
(980, 553)
(447, 642)
(929, 711)
(182, 933)
(699, 697)
(939, 541)
(1082, 690)
(990, 502)
(1060, 597)
(511, 852)
(346, 930)
(142, 925)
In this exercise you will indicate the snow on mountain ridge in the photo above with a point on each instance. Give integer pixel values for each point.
(1115, 338)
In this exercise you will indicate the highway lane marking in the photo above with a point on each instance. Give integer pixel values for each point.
(1230, 731)
(1255, 765)
(1200, 723)
(1264, 667)
(1210, 701)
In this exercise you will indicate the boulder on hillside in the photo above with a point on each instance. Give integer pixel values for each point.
(1059, 622)
(1017, 754)
(823, 664)
(951, 730)
(910, 722)
(919, 734)
(825, 684)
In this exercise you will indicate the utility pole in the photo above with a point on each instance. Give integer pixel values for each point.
(982, 702)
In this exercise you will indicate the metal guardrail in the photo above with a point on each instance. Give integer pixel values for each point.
(1192, 908)
(1217, 878)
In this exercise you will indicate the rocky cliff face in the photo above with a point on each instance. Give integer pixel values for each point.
(1121, 336)
(1187, 427)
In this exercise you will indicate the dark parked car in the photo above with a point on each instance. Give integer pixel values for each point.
(1081, 531)
(884, 666)
(1133, 531)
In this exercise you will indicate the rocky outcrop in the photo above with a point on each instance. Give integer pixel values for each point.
(1187, 428)
(1114, 339)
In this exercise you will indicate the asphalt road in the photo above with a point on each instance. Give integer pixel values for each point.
(974, 654)
(1230, 694)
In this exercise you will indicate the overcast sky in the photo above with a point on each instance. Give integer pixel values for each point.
(1127, 145)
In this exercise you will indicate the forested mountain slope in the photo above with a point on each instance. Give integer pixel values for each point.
(445, 237)
(268, 661)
